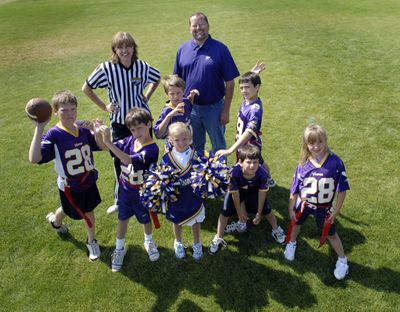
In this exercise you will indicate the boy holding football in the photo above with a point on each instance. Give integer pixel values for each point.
(71, 147)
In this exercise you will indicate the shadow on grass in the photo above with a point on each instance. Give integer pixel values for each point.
(239, 278)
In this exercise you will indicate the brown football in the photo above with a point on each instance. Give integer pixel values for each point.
(38, 109)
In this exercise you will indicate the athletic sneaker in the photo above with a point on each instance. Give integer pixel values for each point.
(62, 229)
(271, 182)
(179, 250)
(152, 250)
(112, 209)
(94, 250)
(341, 270)
(238, 227)
(197, 251)
(117, 259)
(216, 245)
(279, 235)
(231, 228)
(290, 251)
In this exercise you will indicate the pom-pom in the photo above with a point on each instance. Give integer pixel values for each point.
(160, 186)
(210, 175)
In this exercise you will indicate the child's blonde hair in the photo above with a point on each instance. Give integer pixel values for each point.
(312, 134)
(63, 97)
(123, 38)
(173, 81)
(177, 128)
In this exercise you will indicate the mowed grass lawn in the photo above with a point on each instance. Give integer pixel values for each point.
(335, 61)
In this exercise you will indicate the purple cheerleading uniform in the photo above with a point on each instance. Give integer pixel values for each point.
(317, 183)
(188, 205)
(131, 178)
(184, 117)
(205, 68)
(248, 190)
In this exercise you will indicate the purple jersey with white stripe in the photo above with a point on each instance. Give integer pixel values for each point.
(250, 118)
(239, 182)
(188, 205)
(72, 152)
(142, 158)
(184, 117)
(317, 183)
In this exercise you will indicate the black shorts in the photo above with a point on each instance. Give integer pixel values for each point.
(319, 215)
(250, 199)
(86, 201)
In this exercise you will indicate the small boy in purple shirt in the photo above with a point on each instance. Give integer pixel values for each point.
(137, 153)
(177, 108)
(247, 194)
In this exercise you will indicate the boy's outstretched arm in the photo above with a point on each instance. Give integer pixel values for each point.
(97, 124)
(35, 150)
(123, 157)
(242, 140)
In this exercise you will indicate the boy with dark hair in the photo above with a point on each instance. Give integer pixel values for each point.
(137, 153)
(247, 194)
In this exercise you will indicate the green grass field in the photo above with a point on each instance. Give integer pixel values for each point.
(335, 61)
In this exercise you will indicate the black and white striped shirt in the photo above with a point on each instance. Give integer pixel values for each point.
(125, 86)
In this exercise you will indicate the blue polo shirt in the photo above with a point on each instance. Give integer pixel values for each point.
(205, 68)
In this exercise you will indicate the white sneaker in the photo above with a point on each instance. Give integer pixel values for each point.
(271, 182)
(94, 250)
(62, 229)
(197, 251)
(341, 270)
(279, 235)
(231, 228)
(152, 250)
(112, 209)
(234, 227)
(179, 250)
(117, 259)
(290, 250)
(216, 245)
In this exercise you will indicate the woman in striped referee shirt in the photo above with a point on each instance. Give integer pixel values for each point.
(126, 78)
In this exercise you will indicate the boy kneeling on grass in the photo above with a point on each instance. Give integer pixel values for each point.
(247, 194)
(71, 148)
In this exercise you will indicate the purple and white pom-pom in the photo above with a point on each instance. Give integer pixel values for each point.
(210, 175)
(160, 186)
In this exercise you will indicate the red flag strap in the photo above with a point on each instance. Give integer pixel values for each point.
(67, 191)
(154, 218)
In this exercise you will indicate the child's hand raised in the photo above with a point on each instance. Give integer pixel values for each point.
(192, 94)
(106, 133)
(258, 68)
(178, 110)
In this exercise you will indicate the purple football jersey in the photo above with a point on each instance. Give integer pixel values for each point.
(142, 159)
(188, 205)
(72, 152)
(317, 183)
(185, 117)
(250, 118)
(239, 182)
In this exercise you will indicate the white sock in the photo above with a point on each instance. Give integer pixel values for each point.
(148, 237)
(119, 244)
(343, 259)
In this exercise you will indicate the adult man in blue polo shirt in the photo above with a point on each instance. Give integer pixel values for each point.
(207, 65)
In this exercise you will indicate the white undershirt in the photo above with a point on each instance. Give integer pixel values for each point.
(183, 158)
